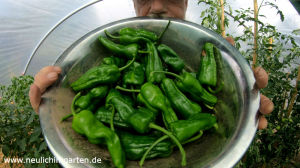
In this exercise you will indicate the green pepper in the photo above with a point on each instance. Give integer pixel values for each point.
(103, 74)
(204, 97)
(220, 72)
(189, 84)
(155, 98)
(170, 58)
(153, 64)
(128, 39)
(141, 119)
(207, 73)
(138, 33)
(113, 60)
(185, 129)
(98, 92)
(115, 93)
(142, 100)
(134, 75)
(86, 124)
(136, 145)
(122, 107)
(178, 100)
(130, 51)
(104, 115)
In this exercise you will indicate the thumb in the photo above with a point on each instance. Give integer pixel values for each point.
(35, 97)
(43, 79)
(46, 77)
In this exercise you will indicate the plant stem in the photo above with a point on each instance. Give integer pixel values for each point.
(150, 148)
(175, 140)
(163, 32)
(227, 13)
(112, 118)
(66, 117)
(294, 95)
(127, 90)
(284, 105)
(169, 73)
(241, 23)
(255, 34)
(73, 103)
(222, 19)
(193, 138)
(110, 35)
(143, 52)
(128, 65)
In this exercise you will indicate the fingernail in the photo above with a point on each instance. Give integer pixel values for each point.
(57, 69)
(270, 107)
(258, 71)
(52, 76)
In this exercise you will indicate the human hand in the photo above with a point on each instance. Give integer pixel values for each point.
(43, 79)
(266, 105)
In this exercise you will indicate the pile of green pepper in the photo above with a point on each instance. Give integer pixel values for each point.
(142, 102)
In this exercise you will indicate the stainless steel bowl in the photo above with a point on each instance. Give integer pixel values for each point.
(236, 109)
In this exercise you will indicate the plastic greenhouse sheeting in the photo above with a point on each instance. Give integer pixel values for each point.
(51, 26)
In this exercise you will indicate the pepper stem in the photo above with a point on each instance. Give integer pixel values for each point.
(111, 123)
(150, 148)
(218, 89)
(127, 90)
(66, 117)
(72, 108)
(143, 52)
(176, 141)
(110, 35)
(193, 138)
(73, 103)
(127, 65)
(169, 73)
(163, 32)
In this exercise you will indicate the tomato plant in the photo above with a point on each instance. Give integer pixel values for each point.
(278, 54)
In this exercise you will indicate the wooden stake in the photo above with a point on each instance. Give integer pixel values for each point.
(222, 19)
(255, 33)
(294, 95)
(270, 48)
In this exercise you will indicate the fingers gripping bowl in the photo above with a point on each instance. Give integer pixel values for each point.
(236, 109)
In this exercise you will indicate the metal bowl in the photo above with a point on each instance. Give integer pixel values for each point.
(236, 110)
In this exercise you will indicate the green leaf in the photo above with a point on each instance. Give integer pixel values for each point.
(31, 118)
(35, 135)
(202, 14)
(296, 31)
(5, 150)
(22, 144)
(43, 146)
(41, 166)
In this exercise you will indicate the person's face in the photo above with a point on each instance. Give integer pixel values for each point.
(161, 8)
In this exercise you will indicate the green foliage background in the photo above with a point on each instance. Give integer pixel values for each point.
(20, 133)
(279, 144)
(276, 146)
